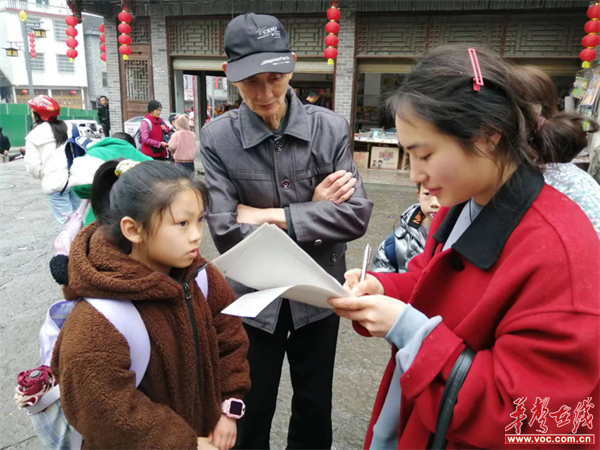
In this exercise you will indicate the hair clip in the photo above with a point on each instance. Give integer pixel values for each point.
(124, 166)
(478, 78)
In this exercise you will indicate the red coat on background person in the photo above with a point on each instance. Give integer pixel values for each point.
(506, 290)
(152, 140)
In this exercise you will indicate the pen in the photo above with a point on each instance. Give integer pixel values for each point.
(365, 264)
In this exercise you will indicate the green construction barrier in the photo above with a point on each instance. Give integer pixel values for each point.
(16, 127)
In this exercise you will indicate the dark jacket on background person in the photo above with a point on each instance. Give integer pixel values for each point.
(104, 115)
(197, 360)
(4, 142)
(248, 163)
(406, 242)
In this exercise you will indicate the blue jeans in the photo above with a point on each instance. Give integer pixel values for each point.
(63, 205)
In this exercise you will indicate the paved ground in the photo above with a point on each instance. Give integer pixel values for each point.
(27, 289)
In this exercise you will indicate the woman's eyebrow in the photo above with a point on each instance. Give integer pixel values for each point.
(413, 146)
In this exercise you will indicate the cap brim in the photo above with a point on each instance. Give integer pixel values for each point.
(269, 62)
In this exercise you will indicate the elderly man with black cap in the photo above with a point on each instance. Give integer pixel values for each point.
(276, 160)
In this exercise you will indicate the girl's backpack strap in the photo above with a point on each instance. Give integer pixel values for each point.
(202, 281)
(127, 320)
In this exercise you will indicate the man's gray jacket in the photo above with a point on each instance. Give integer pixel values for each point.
(247, 163)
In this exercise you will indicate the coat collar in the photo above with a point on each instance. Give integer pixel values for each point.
(484, 240)
(254, 129)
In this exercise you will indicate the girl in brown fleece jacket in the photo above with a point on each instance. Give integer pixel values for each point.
(144, 248)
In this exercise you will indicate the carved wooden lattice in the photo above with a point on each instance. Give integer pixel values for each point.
(138, 80)
(205, 36)
(140, 30)
(195, 36)
(530, 36)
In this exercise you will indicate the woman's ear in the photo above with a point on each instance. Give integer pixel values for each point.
(131, 230)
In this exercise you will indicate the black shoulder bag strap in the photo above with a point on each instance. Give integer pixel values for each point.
(457, 376)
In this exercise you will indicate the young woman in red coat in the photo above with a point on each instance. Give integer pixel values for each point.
(510, 270)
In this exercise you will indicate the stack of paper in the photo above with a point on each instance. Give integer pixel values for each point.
(271, 262)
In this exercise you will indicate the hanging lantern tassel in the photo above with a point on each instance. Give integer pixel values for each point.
(124, 39)
(588, 54)
(71, 31)
(332, 28)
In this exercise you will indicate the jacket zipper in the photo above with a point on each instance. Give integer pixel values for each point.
(188, 302)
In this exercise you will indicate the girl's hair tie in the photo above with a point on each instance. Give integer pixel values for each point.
(540, 123)
(124, 166)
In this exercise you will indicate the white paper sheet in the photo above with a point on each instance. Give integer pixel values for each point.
(271, 262)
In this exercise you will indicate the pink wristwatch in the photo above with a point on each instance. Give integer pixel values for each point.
(234, 408)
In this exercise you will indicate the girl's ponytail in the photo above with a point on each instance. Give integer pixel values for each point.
(104, 179)
(561, 137)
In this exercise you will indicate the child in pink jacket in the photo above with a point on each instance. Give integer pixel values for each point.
(183, 143)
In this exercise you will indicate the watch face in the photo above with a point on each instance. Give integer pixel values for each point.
(235, 408)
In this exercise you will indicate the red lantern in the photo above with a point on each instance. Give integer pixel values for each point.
(24, 91)
(331, 53)
(33, 55)
(331, 40)
(103, 56)
(588, 54)
(73, 92)
(124, 28)
(32, 40)
(593, 12)
(72, 53)
(124, 39)
(72, 43)
(332, 27)
(71, 32)
(591, 40)
(31, 35)
(103, 48)
(32, 46)
(102, 38)
(592, 26)
(124, 16)
(71, 21)
(101, 28)
(334, 13)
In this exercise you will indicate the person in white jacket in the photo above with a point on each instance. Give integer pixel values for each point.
(45, 157)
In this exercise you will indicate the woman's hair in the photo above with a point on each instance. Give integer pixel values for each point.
(153, 105)
(561, 130)
(59, 129)
(440, 91)
(124, 137)
(144, 193)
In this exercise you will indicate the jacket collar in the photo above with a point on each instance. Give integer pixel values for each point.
(484, 240)
(254, 129)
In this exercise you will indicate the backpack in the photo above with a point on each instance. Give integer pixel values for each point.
(137, 137)
(47, 416)
(72, 150)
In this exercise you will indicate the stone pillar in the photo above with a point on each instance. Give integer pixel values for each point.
(160, 66)
(345, 62)
(113, 74)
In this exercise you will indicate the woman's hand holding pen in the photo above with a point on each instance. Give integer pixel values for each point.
(369, 307)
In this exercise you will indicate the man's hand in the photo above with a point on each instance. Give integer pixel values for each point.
(337, 187)
(224, 434)
(164, 128)
(258, 216)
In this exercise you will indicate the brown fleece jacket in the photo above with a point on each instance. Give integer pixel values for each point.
(180, 396)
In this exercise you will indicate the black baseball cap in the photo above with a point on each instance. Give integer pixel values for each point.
(257, 43)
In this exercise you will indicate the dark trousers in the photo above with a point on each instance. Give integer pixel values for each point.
(106, 129)
(187, 165)
(311, 354)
